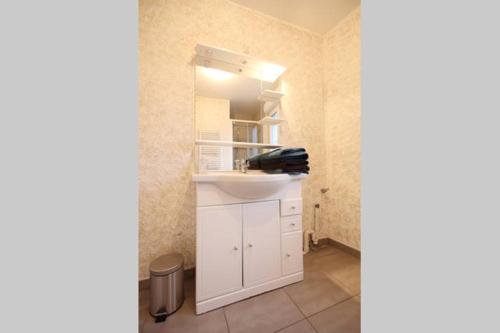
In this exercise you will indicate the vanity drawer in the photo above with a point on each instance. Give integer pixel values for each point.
(291, 207)
(291, 223)
(291, 253)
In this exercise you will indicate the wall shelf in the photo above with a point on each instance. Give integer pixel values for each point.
(270, 96)
(245, 121)
(235, 144)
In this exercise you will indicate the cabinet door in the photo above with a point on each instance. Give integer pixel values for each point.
(261, 242)
(218, 250)
(292, 253)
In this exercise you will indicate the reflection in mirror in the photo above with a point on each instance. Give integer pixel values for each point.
(233, 108)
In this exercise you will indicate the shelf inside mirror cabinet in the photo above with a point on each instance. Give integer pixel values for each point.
(270, 96)
(270, 121)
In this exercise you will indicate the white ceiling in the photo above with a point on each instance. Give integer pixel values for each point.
(314, 15)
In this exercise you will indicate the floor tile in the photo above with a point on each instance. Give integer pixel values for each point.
(347, 271)
(189, 286)
(316, 260)
(316, 293)
(302, 326)
(312, 256)
(342, 268)
(324, 250)
(331, 277)
(185, 320)
(268, 312)
(341, 318)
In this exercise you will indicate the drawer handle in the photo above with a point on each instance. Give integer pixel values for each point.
(293, 207)
(292, 224)
(288, 255)
(235, 248)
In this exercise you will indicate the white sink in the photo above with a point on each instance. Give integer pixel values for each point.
(251, 185)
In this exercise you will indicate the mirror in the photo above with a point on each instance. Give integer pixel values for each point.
(231, 108)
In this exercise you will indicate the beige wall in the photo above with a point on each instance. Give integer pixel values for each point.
(169, 31)
(341, 51)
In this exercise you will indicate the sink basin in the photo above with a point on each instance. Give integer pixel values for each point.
(251, 185)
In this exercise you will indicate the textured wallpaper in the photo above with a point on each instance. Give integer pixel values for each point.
(342, 66)
(169, 31)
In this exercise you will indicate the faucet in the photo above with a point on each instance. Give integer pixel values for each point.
(242, 165)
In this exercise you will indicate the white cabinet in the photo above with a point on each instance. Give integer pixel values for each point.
(261, 241)
(218, 250)
(246, 247)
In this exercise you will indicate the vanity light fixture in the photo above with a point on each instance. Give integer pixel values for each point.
(239, 63)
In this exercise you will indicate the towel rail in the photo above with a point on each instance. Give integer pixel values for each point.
(236, 144)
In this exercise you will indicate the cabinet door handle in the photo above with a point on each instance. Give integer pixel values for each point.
(293, 207)
(235, 248)
(250, 245)
(293, 224)
(288, 255)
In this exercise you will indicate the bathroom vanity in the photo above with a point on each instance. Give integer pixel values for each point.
(248, 235)
(248, 224)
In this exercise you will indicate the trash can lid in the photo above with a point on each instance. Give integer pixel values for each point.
(166, 264)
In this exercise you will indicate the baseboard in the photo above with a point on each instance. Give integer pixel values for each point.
(352, 251)
(188, 274)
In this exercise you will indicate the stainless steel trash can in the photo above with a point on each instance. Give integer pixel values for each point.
(166, 275)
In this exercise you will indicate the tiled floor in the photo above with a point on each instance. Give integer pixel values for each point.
(326, 301)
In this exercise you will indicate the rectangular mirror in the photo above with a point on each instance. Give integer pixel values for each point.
(236, 115)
